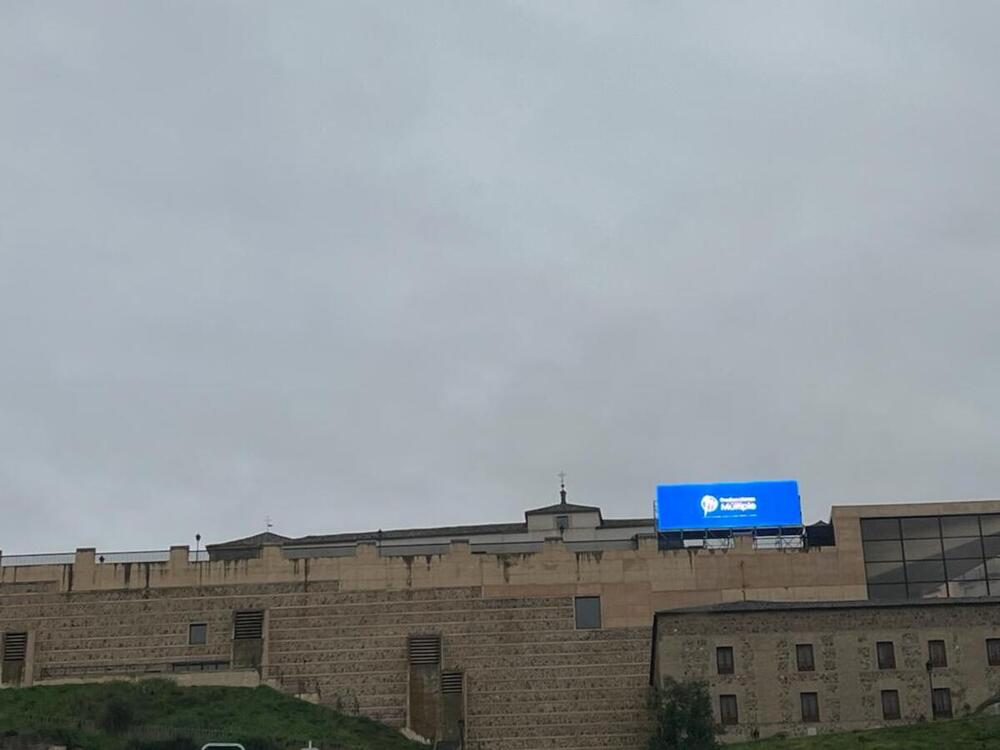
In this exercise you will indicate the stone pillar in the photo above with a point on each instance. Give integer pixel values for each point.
(460, 547)
(647, 544)
(85, 569)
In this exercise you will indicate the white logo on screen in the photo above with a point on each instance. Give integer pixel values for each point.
(709, 504)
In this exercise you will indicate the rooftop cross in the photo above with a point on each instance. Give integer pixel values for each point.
(562, 487)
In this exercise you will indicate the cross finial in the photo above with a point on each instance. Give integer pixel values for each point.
(267, 523)
(562, 487)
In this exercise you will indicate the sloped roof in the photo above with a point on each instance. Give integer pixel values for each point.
(257, 540)
(452, 531)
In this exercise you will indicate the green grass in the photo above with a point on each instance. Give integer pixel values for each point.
(257, 716)
(982, 733)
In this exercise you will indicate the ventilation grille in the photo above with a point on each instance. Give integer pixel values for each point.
(249, 626)
(15, 646)
(425, 649)
(451, 682)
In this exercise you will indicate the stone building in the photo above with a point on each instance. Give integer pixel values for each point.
(520, 636)
(803, 667)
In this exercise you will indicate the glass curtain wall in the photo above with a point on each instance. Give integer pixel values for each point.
(920, 557)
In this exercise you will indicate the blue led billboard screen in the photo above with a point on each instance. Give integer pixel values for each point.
(728, 505)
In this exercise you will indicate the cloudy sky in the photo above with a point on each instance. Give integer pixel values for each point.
(362, 265)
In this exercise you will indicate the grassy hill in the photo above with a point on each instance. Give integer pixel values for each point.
(981, 733)
(155, 713)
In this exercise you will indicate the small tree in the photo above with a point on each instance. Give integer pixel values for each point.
(682, 715)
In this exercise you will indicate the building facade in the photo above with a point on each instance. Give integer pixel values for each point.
(518, 636)
(803, 667)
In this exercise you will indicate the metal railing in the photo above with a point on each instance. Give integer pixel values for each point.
(51, 558)
(110, 558)
(142, 668)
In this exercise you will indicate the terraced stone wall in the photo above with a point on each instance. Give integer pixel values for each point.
(531, 679)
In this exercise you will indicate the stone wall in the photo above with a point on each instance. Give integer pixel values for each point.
(337, 628)
(531, 679)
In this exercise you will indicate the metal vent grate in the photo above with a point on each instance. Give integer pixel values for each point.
(451, 682)
(249, 626)
(425, 649)
(15, 646)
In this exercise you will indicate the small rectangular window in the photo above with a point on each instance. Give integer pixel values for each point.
(890, 704)
(993, 651)
(728, 711)
(724, 660)
(588, 612)
(197, 634)
(886, 652)
(937, 655)
(562, 523)
(804, 657)
(810, 706)
(941, 703)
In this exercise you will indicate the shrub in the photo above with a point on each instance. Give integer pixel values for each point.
(682, 714)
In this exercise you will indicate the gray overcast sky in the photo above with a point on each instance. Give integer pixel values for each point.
(362, 265)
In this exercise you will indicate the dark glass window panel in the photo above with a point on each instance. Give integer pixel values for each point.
(965, 570)
(885, 572)
(991, 546)
(890, 704)
(728, 711)
(810, 706)
(963, 546)
(993, 651)
(889, 592)
(804, 657)
(922, 549)
(958, 589)
(993, 568)
(960, 525)
(927, 590)
(924, 571)
(724, 661)
(921, 528)
(879, 528)
(990, 524)
(885, 652)
(937, 654)
(994, 588)
(198, 634)
(588, 612)
(883, 551)
(941, 702)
